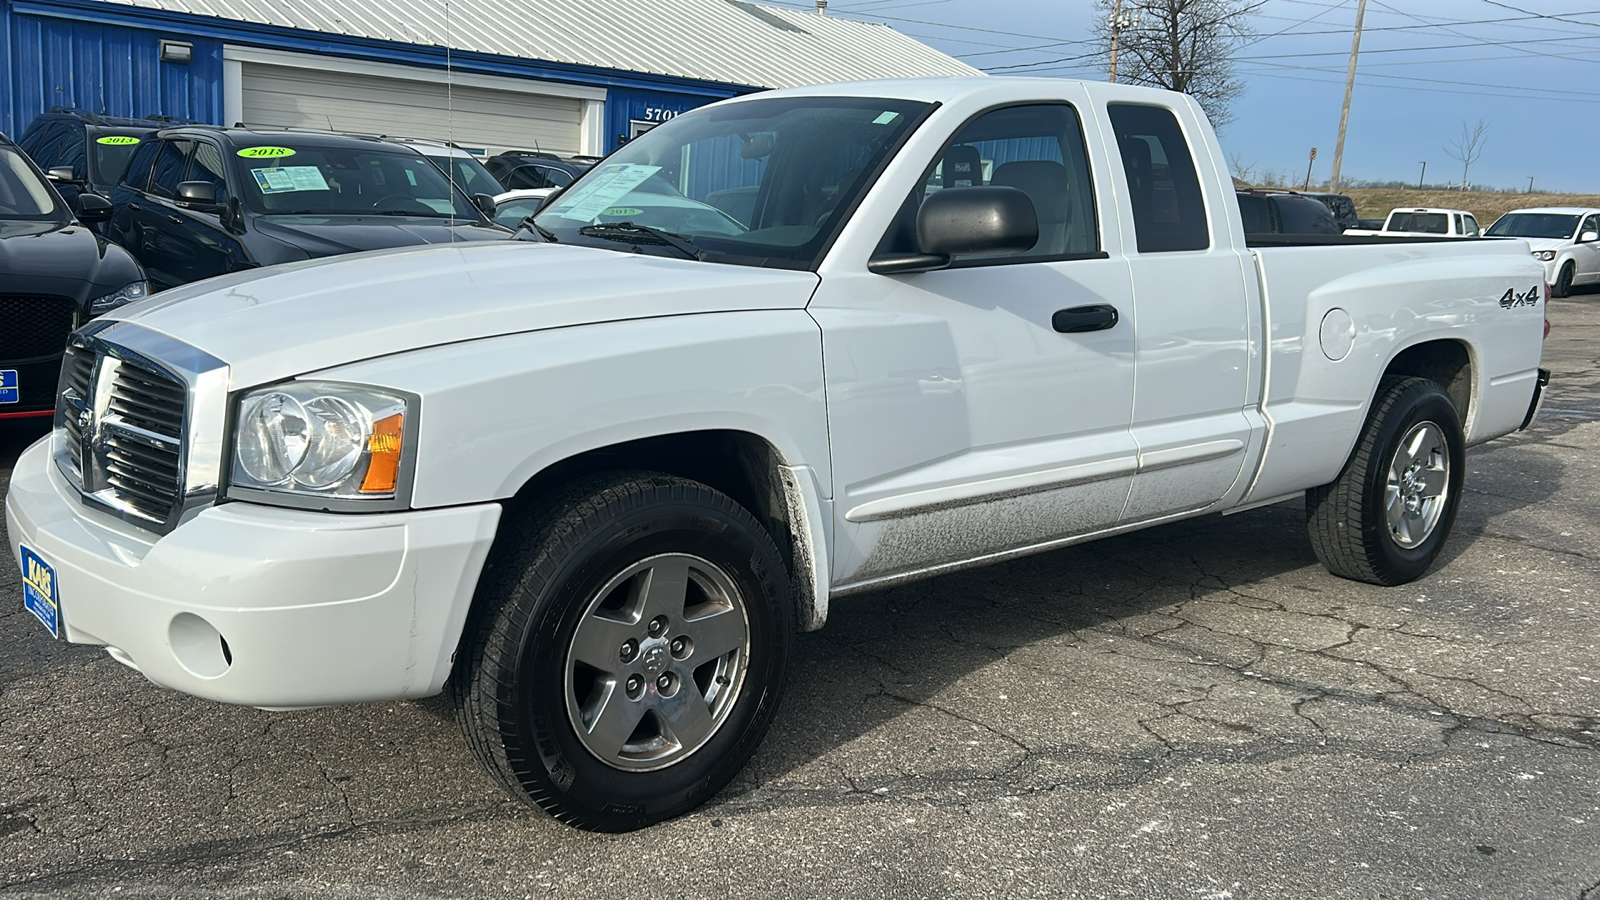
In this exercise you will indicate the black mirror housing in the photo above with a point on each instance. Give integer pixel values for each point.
(93, 208)
(485, 204)
(197, 194)
(977, 221)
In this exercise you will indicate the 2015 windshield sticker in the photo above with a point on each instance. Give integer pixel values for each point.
(283, 179)
(265, 152)
(601, 189)
(623, 211)
(117, 140)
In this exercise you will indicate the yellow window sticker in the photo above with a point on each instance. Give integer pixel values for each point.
(120, 140)
(265, 152)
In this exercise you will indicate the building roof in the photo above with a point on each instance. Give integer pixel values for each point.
(725, 41)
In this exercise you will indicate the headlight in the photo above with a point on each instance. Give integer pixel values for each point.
(122, 296)
(319, 439)
(1545, 255)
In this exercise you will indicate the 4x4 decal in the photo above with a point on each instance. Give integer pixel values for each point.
(1512, 299)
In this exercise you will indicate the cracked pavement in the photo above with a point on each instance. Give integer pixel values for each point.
(1194, 711)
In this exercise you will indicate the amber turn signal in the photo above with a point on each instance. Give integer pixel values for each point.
(384, 445)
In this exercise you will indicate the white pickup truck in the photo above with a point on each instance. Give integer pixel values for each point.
(777, 351)
(1407, 221)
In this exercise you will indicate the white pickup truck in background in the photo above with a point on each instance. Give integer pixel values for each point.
(1425, 222)
(779, 350)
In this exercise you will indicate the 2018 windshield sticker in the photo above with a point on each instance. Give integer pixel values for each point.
(117, 140)
(601, 189)
(1511, 298)
(282, 180)
(265, 152)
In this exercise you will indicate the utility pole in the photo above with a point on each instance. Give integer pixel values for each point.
(1118, 23)
(1349, 87)
(1530, 184)
(1424, 173)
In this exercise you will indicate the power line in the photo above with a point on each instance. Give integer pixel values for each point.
(1557, 17)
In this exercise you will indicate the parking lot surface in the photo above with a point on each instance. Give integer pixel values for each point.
(1194, 711)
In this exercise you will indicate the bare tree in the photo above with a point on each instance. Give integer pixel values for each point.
(1468, 147)
(1181, 45)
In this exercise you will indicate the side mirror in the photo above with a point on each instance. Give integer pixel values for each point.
(484, 203)
(232, 217)
(968, 221)
(199, 195)
(93, 208)
(62, 173)
(1589, 237)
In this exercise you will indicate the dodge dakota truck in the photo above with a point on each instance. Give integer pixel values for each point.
(780, 350)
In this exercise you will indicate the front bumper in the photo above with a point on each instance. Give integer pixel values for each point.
(257, 605)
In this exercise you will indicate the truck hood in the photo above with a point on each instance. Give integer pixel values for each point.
(331, 235)
(292, 319)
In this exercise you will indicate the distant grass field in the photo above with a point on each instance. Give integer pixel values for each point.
(1375, 203)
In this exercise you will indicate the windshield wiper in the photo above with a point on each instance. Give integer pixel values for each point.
(528, 223)
(632, 232)
(403, 212)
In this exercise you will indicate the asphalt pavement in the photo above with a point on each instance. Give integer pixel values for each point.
(1193, 711)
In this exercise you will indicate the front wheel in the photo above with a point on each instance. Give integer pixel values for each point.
(1386, 516)
(627, 651)
(1563, 285)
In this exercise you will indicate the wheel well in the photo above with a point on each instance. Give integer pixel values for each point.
(1446, 362)
(737, 463)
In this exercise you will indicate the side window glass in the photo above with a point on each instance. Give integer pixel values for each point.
(138, 173)
(169, 168)
(71, 153)
(557, 177)
(1472, 226)
(526, 178)
(207, 166)
(1168, 212)
(1038, 150)
(46, 146)
(1590, 224)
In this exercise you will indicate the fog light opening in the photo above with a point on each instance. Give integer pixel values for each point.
(198, 647)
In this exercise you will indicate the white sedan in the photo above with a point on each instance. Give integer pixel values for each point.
(1565, 239)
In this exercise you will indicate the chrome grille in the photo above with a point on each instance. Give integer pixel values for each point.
(141, 440)
(139, 421)
(35, 326)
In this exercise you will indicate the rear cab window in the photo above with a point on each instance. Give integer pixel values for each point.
(1169, 213)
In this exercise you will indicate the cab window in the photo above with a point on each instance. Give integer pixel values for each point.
(1163, 189)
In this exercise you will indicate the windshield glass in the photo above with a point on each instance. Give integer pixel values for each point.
(1422, 223)
(469, 174)
(111, 153)
(757, 182)
(23, 194)
(285, 179)
(1557, 226)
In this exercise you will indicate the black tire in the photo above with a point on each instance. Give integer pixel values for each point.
(1362, 530)
(1563, 285)
(563, 586)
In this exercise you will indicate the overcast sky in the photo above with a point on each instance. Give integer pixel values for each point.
(1526, 67)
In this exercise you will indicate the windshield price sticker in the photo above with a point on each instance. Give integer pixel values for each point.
(119, 140)
(265, 152)
(39, 595)
(886, 118)
(601, 189)
(9, 391)
(284, 179)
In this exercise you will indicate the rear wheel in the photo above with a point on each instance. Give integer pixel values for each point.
(627, 651)
(1563, 285)
(1386, 516)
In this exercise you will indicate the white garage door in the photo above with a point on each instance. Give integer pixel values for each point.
(474, 117)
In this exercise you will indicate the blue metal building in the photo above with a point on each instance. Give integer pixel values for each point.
(566, 76)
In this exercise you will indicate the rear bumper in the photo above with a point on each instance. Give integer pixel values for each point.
(257, 605)
(1538, 398)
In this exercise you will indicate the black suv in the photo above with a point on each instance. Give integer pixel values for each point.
(95, 148)
(1342, 207)
(1284, 212)
(520, 170)
(200, 201)
(54, 276)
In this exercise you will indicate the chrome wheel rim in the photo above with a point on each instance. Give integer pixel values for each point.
(657, 662)
(1419, 485)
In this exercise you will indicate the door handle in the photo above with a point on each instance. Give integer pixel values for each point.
(176, 220)
(135, 206)
(1079, 319)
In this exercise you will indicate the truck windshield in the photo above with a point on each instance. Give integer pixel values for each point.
(755, 182)
(1556, 226)
(348, 181)
(1421, 223)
